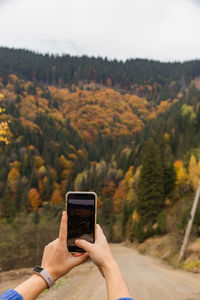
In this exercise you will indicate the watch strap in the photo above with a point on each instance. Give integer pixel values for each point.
(45, 275)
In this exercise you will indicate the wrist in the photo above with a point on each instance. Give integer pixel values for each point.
(40, 281)
(45, 274)
(109, 266)
(53, 274)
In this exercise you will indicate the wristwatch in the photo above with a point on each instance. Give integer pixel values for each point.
(45, 275)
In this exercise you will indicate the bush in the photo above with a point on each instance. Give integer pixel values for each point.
(23, 241)
(139, 232)
(161, 228)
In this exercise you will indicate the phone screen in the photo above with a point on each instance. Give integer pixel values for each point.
(81, 219)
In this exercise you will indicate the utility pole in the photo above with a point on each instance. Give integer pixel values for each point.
(189, 226)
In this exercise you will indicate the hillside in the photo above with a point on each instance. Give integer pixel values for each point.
(140, 152)
(146, 78)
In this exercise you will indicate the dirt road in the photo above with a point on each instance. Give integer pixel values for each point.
(147, 278)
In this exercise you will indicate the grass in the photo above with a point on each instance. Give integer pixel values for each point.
(191, 265)
(59, 283)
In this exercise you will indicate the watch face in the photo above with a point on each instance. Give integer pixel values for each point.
(38, 269)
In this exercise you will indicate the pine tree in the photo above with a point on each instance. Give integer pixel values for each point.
(169, 173)
(150, 186)
(139, 232)
(125, 216)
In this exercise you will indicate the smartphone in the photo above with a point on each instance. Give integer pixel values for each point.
(81, 222)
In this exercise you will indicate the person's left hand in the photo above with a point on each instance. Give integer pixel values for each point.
(56, 258)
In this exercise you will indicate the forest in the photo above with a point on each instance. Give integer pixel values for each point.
(130, 131)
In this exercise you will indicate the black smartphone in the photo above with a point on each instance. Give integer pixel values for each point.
(81, 222)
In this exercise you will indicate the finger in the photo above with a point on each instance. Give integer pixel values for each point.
(84, 245)
(63, 227)
(80, 259)
(77, 254)
(99, 232)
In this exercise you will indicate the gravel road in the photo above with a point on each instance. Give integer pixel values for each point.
(147, 278)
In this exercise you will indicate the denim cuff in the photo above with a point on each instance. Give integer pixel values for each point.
(11, 295)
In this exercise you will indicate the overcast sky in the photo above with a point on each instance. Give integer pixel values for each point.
(165, 30)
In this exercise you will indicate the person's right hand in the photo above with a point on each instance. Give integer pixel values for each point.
(99, 252)
(101, 255)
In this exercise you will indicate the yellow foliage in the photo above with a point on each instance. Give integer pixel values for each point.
(5, 133)
(1, 96)
(65, 174)
(56, 197)
(38, 162)
(166, 137)
(42, 170)
(72, 156)
(198, 168)
(129, 174)
(193, 172)
(64, 163)
(135, 217)
(13, 175)
(80, 153)
(2, 110)
(182, 176)
(45, 180)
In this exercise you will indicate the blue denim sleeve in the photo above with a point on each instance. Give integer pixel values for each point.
(125, 299)
(11, 295)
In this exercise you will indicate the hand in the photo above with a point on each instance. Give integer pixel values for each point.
(101, 255)
(99, 252)
(56, 258)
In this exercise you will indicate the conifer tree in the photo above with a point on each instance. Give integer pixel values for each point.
(169, 174)
(150, 186)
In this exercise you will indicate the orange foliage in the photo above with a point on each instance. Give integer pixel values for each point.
(124, 191)
(13, 175)
(178, 164)
(34, 198)
(99, 203)
(119, 196)
(12, 78)
(56, 197)
(64, 163)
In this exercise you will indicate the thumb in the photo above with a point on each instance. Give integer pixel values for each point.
(80, 259)
(84, 245)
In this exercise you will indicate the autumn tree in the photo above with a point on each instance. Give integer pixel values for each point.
(34, 198)
(56, 197)
(193, 173)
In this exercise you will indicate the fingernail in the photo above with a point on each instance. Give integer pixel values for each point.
(63, 214)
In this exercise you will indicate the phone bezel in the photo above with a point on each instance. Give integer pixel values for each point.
(76, 249)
